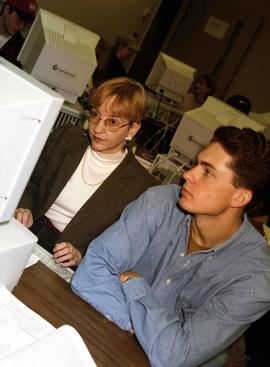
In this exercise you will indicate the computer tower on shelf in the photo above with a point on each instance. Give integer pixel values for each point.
(168, 169)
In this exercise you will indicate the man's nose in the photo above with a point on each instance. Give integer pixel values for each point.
(189, 175)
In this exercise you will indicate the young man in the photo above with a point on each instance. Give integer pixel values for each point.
(185, 269)
(13, 19)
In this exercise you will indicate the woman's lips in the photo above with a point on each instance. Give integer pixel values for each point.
(97, 139)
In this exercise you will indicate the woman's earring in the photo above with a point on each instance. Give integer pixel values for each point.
(128, 138)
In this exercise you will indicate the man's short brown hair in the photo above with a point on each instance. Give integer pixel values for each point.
(251, 158)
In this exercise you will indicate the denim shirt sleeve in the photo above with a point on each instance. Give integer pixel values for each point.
(96, 278)
(201, 340)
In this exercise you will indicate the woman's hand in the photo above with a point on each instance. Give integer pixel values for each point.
(24, 216)
(66, 254)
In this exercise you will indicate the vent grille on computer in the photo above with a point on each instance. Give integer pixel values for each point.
(77, 50)
(64, 119)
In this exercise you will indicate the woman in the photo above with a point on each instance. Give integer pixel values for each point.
(82, 182)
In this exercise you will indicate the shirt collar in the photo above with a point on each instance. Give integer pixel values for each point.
(235, 238)
(232, 241)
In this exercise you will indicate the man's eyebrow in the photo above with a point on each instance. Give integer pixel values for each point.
(206, 164)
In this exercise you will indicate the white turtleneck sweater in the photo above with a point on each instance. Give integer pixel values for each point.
(91, 172)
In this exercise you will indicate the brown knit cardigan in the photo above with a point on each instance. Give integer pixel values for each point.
(58, 161)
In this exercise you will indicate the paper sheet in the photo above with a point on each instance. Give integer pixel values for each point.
(63, 347)
(26, 339)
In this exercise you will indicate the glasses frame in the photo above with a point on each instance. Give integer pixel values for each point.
(105, 121)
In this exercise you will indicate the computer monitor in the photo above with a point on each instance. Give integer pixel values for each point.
(60, 54)
(197, 126)
(170, 77)
(28, 110)
(16, 245)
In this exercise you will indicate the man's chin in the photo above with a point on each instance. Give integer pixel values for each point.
(183, 204)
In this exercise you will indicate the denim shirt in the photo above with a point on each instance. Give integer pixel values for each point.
(186, 309)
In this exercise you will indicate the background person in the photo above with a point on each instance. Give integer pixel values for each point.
(257, 344)
(188, 284)
(82, 182)
(109, 63)
(204, 86)
(15, 15)
(110, 59)
(240, 102)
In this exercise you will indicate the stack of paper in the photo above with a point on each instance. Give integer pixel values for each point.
(26, 339)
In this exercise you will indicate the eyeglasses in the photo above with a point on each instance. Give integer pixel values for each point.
(112, 124)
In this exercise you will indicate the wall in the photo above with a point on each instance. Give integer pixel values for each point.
(251, 76)
(108, 18)
(156, 35)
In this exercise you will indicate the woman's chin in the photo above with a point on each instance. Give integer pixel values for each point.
(98, 145)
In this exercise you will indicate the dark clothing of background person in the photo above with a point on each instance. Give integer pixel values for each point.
(257, 343)
(110, 59)
(11, 49)
(114, 68)
(109, 66)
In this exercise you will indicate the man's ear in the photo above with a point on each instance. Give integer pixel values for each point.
(241, 197)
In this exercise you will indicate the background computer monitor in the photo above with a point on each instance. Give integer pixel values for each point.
(197, 126)
(170, 77)
(60, 54)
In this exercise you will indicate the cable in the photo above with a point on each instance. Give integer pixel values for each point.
(177, 171)
(174, 154)
(159, 103)
(165, 128)
(158, 142)
(151, 137)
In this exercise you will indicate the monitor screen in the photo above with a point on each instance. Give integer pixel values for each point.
(60, 54)
(28, 110)
(170, 77)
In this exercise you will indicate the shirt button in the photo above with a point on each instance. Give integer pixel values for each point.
(182, 254)
(168, 280)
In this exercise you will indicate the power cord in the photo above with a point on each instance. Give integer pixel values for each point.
(159, 103)
(174, 154)
(177, 171)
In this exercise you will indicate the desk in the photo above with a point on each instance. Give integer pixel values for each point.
(50, 296)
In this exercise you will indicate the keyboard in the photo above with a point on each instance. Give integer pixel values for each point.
(46, 258)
